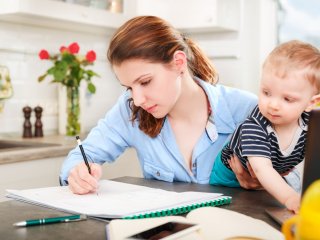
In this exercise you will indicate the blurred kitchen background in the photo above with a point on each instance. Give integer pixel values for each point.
(236, 34)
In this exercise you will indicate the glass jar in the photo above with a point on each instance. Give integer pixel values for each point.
(73, 111)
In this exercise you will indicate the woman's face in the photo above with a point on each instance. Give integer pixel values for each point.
(154, 87)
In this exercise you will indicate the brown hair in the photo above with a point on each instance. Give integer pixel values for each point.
(153, 39)
(295, 55)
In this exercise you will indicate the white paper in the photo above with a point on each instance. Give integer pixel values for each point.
(113, 200)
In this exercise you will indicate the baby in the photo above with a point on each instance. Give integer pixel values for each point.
(272, 139)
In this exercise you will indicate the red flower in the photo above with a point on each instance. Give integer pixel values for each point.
(74, 48)
(43, 54)
(69, 67)
(63, 49)
(91, 56)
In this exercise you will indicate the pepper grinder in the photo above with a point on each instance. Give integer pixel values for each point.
(27, 131)
(38, 132)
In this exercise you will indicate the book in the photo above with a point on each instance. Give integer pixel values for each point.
(215, 223)
(120, 200)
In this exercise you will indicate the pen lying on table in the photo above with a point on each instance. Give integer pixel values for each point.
(32, 222)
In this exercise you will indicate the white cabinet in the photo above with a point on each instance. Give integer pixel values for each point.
(194, 15)
(186, 15)
(29, 174)
(60, 15)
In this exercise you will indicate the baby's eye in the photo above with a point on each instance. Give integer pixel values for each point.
(265, 92)
(289, 99)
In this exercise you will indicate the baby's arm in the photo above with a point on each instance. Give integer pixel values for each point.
(271, 180)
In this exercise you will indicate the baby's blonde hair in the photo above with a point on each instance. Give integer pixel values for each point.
(295, 55)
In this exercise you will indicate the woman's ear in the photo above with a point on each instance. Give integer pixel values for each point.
(315, 101)
(180, 60)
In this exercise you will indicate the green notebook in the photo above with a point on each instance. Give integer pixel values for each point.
(120, 200)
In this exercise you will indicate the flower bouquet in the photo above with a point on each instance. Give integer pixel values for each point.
(69, 69)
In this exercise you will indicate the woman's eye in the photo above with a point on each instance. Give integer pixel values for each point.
(145, 83)
(128, 89)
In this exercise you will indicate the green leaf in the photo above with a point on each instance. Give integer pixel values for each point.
(92, 73)
(68, 58)
(42, 77)
(91, 88)
(71, 82)
(80, 74)
(51, 70)
(60, 71)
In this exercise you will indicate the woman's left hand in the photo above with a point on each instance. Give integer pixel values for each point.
(246, 180)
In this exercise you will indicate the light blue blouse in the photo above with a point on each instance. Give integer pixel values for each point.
(160, 157)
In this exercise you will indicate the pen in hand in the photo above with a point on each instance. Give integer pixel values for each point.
(33, 222)
(83, 154)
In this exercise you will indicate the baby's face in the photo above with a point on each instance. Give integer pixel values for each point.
(282, 99)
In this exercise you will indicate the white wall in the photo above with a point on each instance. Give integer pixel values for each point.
(238, 56)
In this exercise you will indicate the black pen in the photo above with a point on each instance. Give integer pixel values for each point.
(83, 154)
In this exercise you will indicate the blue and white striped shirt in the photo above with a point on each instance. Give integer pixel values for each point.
(256, 137)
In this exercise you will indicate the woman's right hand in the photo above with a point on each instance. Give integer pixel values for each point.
(81, 182)
(246, 180)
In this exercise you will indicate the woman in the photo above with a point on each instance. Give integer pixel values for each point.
(173, 112)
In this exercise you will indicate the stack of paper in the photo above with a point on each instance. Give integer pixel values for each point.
(120, 200)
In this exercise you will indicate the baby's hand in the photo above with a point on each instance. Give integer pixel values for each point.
(293, 202)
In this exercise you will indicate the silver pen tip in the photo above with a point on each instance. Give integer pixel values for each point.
(19, 224)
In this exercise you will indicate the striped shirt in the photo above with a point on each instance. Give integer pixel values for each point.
(256, 137)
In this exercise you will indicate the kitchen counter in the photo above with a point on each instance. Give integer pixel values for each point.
(44, 147)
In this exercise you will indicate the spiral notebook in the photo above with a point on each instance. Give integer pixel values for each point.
(120, 200)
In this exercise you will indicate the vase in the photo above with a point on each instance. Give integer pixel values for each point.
(71, 108)
(73, 111)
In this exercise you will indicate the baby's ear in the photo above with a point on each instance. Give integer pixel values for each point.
(315, 102)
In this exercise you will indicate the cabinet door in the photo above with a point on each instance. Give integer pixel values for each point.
(195, 15)
(61, 15)
(29, 174)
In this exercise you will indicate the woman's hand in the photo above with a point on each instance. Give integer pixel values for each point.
(81, 182)
(246, 180)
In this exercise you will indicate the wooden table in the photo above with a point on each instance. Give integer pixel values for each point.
(251, 203)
